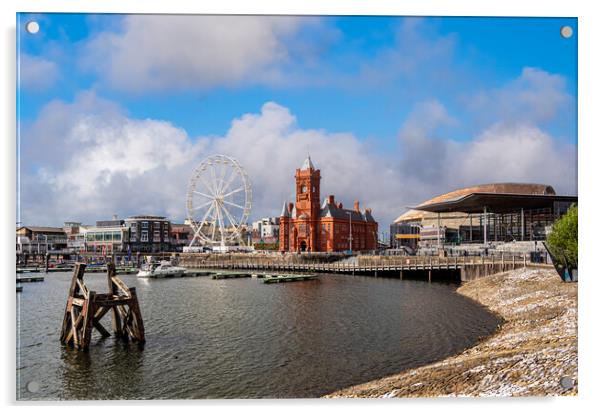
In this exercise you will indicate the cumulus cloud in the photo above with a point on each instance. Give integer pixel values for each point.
(36, 73)
(167, 53)
(87, 160)
(503, 152)
(272, 146)
(519, 153)
(535, 97)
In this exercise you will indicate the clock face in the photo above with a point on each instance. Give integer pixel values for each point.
(303, 188)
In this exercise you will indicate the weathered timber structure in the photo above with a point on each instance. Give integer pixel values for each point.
(85, 309)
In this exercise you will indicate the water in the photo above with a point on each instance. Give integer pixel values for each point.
(240, 338)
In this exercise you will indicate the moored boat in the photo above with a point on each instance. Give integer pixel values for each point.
(161, 270)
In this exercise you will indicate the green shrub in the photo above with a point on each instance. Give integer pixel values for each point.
(562, 240)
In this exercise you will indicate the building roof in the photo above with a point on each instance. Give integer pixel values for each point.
(500, 197)
(285, 212)
(307, 164)
(39, 229)
(146, 218)
(331, 210)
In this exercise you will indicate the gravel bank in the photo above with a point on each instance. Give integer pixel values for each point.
(527, 356)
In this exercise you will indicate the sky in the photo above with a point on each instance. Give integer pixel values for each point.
(115, 111)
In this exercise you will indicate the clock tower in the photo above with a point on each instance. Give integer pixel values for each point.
(307, 206)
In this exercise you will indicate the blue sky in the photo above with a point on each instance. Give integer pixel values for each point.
(393, 84)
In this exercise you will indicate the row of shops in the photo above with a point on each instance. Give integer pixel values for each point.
(136, 234)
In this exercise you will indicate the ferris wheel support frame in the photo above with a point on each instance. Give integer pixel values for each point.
(216, 191)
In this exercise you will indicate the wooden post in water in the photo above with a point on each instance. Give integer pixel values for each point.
(430, 270)
(86, 308)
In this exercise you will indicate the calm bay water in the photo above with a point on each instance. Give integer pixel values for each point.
(240, 338)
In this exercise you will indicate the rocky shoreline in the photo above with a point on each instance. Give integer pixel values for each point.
(529, 355)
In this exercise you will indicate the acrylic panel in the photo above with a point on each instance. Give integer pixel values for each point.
(219, 206)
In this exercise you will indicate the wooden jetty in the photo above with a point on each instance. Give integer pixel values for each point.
(467, 267)
(288, 278)
(85, 309)
(24, 279)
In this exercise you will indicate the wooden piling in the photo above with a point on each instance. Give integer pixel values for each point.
(86, 308)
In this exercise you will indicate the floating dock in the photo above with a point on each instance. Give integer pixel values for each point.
(230, 275)
(191, 273)
(287, 278)
(103, 269)
(28, 270)
(23, 279)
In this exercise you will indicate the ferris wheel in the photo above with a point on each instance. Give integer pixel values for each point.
(218, 201)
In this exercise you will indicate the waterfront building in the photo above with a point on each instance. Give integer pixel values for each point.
(308, 226)
(180, 236)
(148, 234)
(499, 212)
(404, 235)
(76, 237)
(107, 237)
(40, 240)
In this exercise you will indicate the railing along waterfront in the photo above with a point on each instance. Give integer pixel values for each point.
(365, 264)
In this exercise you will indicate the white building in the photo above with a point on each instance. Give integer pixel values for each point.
(267, 228)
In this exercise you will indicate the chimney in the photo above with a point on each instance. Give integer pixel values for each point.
(330, 199)
(356, 206)
(340, 205)
(290, 207)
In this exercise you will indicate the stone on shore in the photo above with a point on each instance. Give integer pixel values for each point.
(529, 355)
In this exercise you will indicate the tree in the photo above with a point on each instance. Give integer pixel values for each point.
(562, 240)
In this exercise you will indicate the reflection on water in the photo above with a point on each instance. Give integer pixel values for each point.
(242, 339)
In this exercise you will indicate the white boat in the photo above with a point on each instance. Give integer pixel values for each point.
(160, 270)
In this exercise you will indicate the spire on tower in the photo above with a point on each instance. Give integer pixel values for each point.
(307, 165)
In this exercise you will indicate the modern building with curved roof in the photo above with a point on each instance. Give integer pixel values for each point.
(488, 212)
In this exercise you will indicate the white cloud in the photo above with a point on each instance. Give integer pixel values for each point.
(503, 152)
(536, 96)
(271, 147)
(520, 153)
(36, 73)
(169, 53)
(87, 161)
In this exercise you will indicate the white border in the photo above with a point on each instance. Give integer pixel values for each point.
(590, 70)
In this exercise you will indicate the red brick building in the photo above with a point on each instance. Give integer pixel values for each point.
(308, 226)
